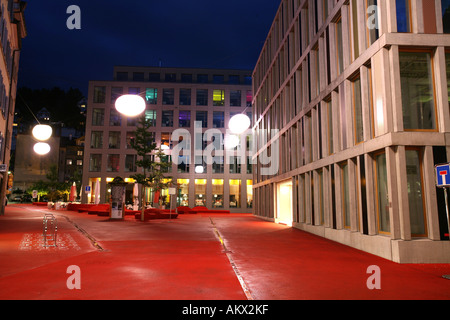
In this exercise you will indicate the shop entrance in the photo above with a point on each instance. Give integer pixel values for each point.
(284, 203)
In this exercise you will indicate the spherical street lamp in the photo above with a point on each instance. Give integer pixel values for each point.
(42, 132)
(239, 123)
(42, 148)
(130, 105)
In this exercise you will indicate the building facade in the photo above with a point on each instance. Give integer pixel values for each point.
(189, 110)
(11, 34)
(353, 96)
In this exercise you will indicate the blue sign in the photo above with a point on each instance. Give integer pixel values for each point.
(87, 189)
(443, 175)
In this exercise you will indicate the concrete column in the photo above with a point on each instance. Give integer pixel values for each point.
(371, 195)
(429, 187)
(403, 201)
(393, 186)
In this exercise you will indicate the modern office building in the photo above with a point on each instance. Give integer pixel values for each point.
(12, 32)
(353, 97)
(187, 107)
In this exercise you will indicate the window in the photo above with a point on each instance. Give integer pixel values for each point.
(219, 98)
(218, 119)
(122, 76)
(96, 140)
(98, 116)
(186, 78)
(233, 79)
(203, 117)
(202, 97)
(114, 140)
(447, 62)
(165, 139)
(235, 165)
(415, 193)
(217, 191)
(115, 119)
(132, 122)
(218, 78)
(249, 193)
(200, 192)
(345, 194)
(372, 27)
(130, 138)
(382, 193)
(154, 77)
(339, 46)
(354, 29)
(95, 163)
(446, 15)
(80, 163)
(99, 94)
(168, 96)
(151, 95)
(330, 128)
(217, 165)
(184, 119)
(167, 118)
(249, 98)
(183, 164)
(151, 115)
(69, 162)
(183, 192)
(171, 77)
(235, 193)
(185, 97)
(418, 101)
(116, 92)
(404, 23)
(200, 165)
(113, 163)
(138, 76)
(357, 110)
(130, 163)
(202, 78)
(235, 98)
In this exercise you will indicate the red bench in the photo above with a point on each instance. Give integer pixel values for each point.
(202, 209)
(154, 214)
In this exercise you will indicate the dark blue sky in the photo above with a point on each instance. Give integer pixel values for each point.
(180, 33)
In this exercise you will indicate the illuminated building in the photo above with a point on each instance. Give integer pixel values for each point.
(357, 92)
(11, 34)
(176, 99)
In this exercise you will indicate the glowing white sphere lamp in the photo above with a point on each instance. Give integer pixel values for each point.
(42, 148)
(239, 123)
(231, 141)
(199, 169)
(42, 132)
(130, 105)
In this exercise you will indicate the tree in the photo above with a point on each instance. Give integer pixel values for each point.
(153, 161)
(52, 187)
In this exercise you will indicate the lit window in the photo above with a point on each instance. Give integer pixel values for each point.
(219, 98)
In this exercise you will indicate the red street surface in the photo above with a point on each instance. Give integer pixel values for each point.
(194, 257)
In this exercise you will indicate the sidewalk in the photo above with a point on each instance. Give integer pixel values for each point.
(195, 257)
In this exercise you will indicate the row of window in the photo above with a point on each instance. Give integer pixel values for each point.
(343, 39)
(113, 164)
(168, 118)
(325, 129)
(185, 96)
(183, 78)
(323, 196)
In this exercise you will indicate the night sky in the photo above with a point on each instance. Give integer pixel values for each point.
(179, 33)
